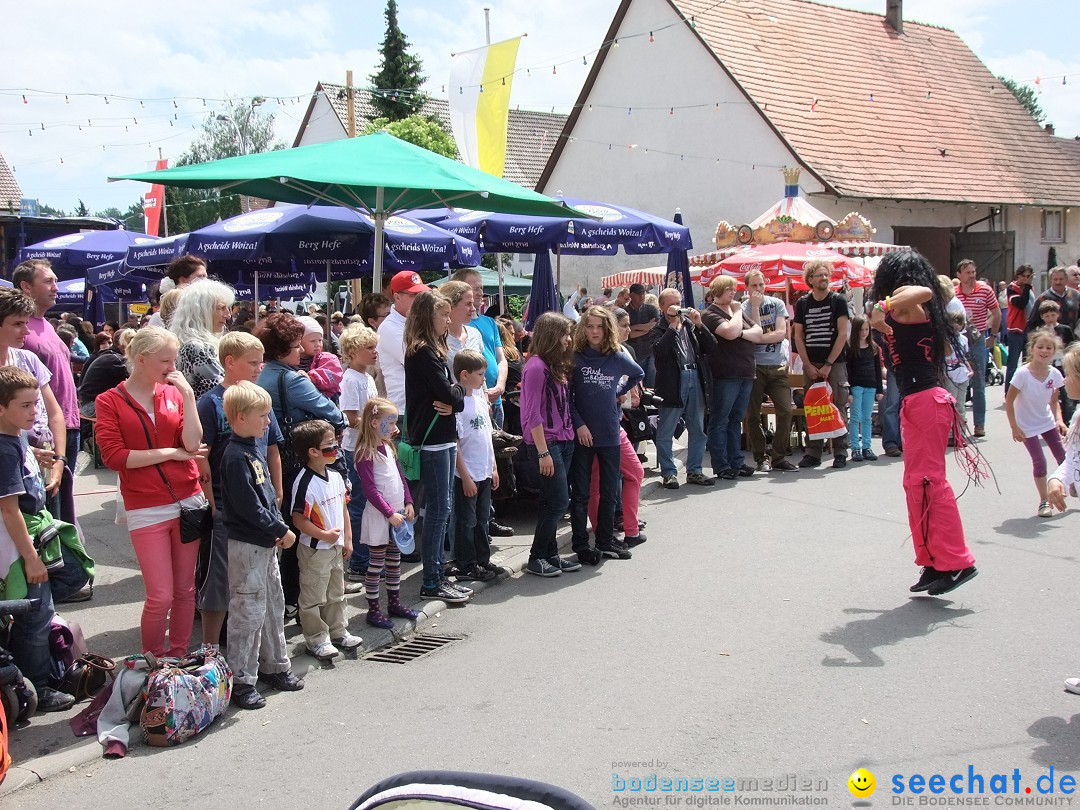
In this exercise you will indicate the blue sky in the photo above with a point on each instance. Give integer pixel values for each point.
(194, 58)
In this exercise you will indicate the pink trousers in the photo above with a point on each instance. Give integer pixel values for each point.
(168, 571)
(926, 419)
(632, 475)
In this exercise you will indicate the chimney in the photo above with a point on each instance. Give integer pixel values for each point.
(894, 15)
(1049, 129)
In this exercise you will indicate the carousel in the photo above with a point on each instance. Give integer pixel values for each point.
(789, 234)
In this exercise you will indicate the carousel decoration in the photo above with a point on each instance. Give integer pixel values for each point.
(794, 220)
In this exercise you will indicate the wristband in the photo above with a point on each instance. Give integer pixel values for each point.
(888, 302)
(546, 454)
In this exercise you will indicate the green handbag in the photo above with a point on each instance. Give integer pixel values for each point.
(408, 455)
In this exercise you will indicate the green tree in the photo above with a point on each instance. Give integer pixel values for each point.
(1026, 96)
(399, 78)
(81, 210)
(132, 219)
(49, 211)
(243, 128)
(423, 130)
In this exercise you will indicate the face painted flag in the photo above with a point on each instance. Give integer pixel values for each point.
(479, 95)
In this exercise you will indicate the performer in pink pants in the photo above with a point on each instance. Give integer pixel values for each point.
(910, 313)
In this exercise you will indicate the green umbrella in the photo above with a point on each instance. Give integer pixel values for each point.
(378, 174)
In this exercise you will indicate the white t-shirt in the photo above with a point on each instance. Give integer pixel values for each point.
(392, 357)
(357, 387)
(1032, 405)
(473, 340)
(322, 501)
(474, 437)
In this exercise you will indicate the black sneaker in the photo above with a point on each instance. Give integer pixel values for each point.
(783, 465)
(810, 461)
(564, 564)
(493, 568)
(635, 540)
(542, 568)
(728, 474)
(414, 557)
(951, 580)
(53, 700)
(745, 471)
(615, 550)
(928, 578)
(353, 575)
(283, 681)
(246, 696)
(590, 556)
(839, 461)
(475, 573)
(496, 529)
(869, 455)
(444, 594)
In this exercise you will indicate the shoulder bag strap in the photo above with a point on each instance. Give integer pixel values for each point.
(286, 419)
(149, 443)
(428, 431)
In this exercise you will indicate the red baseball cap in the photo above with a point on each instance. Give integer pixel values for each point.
(407, 282)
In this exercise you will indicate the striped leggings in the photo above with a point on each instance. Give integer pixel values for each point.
(383, 557)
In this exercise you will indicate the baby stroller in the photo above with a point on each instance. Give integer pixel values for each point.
(994, 374)
(431, 790)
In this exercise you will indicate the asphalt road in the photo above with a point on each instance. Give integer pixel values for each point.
(765, 631)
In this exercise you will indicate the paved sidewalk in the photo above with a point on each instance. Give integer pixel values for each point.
(47, 747)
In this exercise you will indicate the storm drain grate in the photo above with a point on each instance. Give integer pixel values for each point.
(412, 649)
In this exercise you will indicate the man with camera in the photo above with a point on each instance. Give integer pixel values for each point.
(680, 345)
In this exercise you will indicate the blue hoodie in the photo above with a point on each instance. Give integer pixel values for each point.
(595, 389)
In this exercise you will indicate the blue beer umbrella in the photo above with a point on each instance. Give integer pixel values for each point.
(74, 252)
(678, 271)
(543, 297)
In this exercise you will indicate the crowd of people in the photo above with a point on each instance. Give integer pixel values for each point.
(316, 444)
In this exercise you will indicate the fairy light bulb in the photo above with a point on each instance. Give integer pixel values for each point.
(651, 37)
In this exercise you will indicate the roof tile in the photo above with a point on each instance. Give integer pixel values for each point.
(915, 116)
(10, 193)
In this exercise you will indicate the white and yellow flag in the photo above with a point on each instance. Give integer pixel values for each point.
(479, 91)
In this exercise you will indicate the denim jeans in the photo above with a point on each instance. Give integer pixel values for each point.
(471, 543)
(554, 498)
(580, 481)
(358, 562)
(729, 400)
(1015, 345)
(978, 382)
(862, 416)
(437, 477)
(29, 644)
(648, 365)
(694, 411)
(890, 413)
(498, 415)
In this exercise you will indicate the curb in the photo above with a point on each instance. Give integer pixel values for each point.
(88, 749)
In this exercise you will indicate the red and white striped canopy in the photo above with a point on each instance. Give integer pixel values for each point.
(650, 277)
(858, 250)
(786, 260)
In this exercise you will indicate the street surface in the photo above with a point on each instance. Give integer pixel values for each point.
(765, 631)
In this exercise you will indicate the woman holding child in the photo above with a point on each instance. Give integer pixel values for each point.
(148, 430)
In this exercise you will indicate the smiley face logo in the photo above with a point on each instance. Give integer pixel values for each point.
(862, 784)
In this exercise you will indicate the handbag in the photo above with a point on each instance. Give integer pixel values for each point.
(290, 464)
(87, 676)
(408, 455)
(184, 696)
(196, 522)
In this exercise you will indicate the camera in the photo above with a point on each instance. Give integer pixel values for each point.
(685, 310)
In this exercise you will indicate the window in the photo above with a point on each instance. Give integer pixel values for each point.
(1053, 225)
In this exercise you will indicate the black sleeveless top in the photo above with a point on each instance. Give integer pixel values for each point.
(911, 349)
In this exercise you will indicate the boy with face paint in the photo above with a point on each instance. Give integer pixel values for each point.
(324, 540)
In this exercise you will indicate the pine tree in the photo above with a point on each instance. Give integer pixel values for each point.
(1026, 96)
(399, 77)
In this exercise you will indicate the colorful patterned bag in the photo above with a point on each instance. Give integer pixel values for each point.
(184, 696)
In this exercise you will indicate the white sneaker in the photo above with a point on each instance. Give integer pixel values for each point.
(324, 652)
(1072, 685)
(347, 641)
(1045, 510)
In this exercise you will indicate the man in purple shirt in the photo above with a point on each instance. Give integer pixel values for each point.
(37, 280)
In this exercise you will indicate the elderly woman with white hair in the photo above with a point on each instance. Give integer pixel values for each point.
(198, 323)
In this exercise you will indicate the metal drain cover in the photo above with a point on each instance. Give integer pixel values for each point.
(412, 649)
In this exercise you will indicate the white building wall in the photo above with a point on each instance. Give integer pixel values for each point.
(323, 125)
(1030, 247)
(723, 162)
